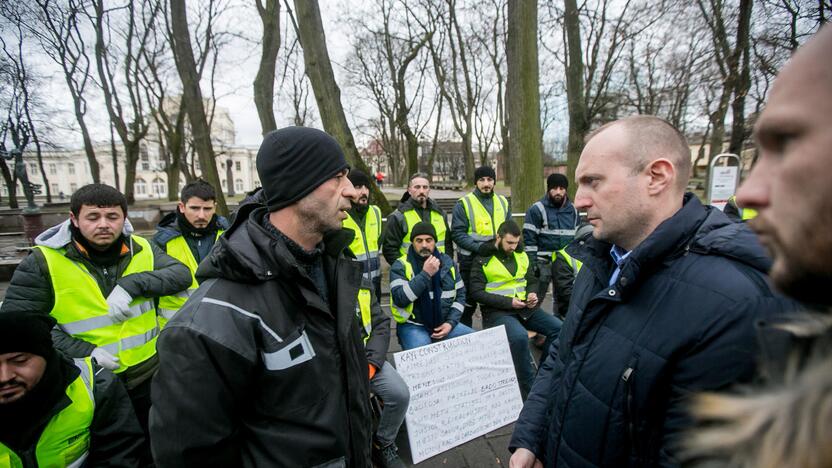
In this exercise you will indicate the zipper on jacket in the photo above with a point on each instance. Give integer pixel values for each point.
(627, 377)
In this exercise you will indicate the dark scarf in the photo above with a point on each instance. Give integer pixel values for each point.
(310, 262)
(24, 420)
(104, 258)
(186, 228)
(426, 310)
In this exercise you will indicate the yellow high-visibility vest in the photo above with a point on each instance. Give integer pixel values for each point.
(178, 249)
(481, 225)
(363, 311)
(82, 312)
(65, 441)
(500, 281)
(573, 262)
(402, 314)
(412, 218)
(365, 243)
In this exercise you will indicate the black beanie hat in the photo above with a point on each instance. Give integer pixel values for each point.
(294, 161)
(26, 332)
(422, 228)
(359, 178)
(556, 180)
(485, 171)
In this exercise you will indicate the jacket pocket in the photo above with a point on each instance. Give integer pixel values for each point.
(630, 417)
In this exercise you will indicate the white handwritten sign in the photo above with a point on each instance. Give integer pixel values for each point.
(460, 389)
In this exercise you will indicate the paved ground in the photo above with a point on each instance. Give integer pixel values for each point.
(490, 450)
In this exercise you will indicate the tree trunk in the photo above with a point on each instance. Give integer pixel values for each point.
(229, 177)
(186, 66)
(114, 154)
(131, 158)
(523, 93)
(327, 93)
(11, 185)
(743, 80)
(88, 149)
(264, 81)
(578, 125)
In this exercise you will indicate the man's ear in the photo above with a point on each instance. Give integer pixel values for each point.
(73, 219)
(181, 207)
(662, 175)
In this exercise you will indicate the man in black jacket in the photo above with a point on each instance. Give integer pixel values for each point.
(55, 411)
(664, 306)
(100, 282)
(503, 281)
(271, 336)
(416, 206)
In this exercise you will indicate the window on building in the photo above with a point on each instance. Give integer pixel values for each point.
(70, 167)
(140, 186)
(73, 188)
(237, 166)
(33, 168)
(144, 157)
(53, 169)
(223, 184)
(54, 188)
(159, 187)
(238, 185)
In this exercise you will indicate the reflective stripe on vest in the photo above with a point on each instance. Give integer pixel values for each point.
(404, 314)
(178, 249)
(412, 218)
(81, 309)
(65, 441)
(365, 242)
(500, 281)
(363, 312)
(574, 263)
(482, 226)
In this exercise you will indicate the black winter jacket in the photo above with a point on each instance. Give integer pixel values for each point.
(679, 319)
(281, 375)
(396, 229)
(116, 438)
(30, 289)
(168, 229)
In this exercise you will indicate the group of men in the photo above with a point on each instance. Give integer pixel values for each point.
(263, 341)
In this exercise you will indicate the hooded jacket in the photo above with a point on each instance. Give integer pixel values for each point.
(396, 228)
(115, 435)
(679, 319)
(282, 374)
(30, 289)
(495, 303)
(168, 229)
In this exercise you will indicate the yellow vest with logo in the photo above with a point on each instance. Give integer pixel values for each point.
(412, 218)
(81, 309)
(178, 249)
(365, 243)
(573, 262)
(65, 441)
(500, 281)
(363, 311)
(402, 314)
(481, 225)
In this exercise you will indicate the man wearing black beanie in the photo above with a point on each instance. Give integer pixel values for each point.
(55, 411)
(272, 328)
(476, 218)
(549, 227)
(364, 220)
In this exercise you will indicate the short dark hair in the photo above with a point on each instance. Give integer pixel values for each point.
(99, 195)
(509, 227)
(198, 188)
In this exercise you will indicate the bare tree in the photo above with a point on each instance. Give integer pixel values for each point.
(327, 94)
(57, 27)
(264, 81)
(524, 102)
(192, 94)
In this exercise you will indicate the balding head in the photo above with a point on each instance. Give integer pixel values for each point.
(789, 186)
(650, 138)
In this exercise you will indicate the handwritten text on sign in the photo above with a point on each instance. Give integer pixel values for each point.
(460, 389)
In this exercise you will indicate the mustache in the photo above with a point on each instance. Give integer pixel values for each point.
(425, 251)
(10, 384)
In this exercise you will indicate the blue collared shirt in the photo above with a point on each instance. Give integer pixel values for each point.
(618, 255)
